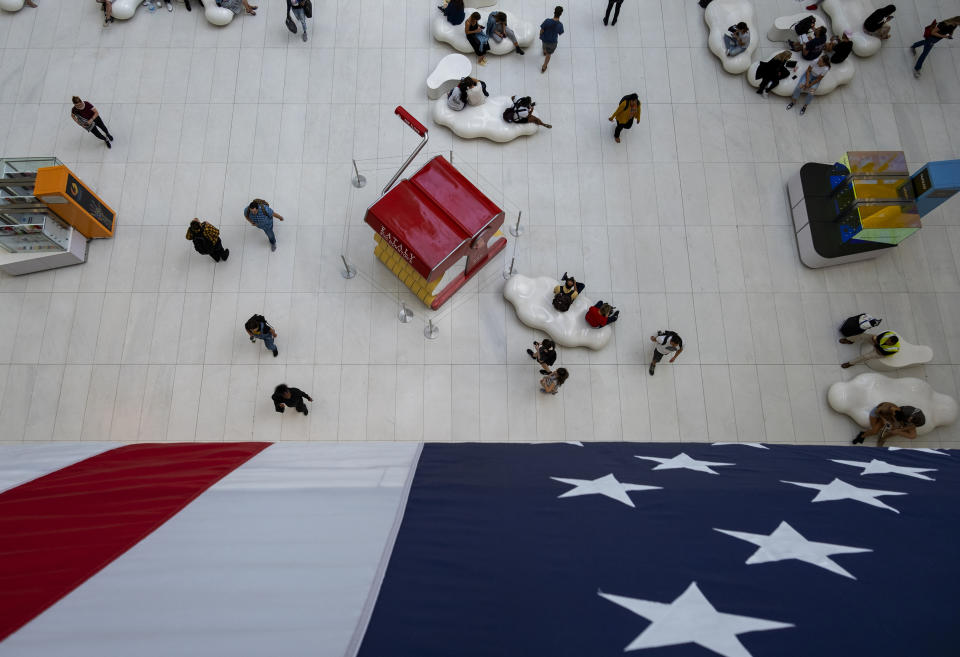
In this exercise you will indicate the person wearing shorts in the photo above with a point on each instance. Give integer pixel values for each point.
(667, 342)
(550, 31)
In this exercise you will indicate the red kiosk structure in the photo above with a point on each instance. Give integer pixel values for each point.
(430, 221)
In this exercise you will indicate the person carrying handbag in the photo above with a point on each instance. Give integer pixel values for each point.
(302, 9)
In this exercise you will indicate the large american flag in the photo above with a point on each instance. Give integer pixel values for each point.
(478, 549)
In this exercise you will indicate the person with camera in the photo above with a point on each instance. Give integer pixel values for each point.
(261, 215)
(545, 354)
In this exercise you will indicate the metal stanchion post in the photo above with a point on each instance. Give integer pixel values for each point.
(517, 230)
(348, 270)
(508, 271)
(358, 181)
(405, 314)
(430, 331)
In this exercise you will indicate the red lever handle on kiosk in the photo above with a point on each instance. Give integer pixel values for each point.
(408, 118)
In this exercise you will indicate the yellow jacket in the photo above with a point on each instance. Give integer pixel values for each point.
(623, 113)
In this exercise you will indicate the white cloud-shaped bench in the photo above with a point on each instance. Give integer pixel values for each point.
(456, 37)
(839, 74)
(124, 9)
(849, 15)
(448, 72)
(721, 14)
(782, 29)
(857, 397)
(215, 15)
(11, 5)
(486, 121)
(533, 300)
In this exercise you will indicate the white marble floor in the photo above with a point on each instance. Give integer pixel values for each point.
(684, 225)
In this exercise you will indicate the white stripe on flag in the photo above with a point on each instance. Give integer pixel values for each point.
(23, 462)
(278, 558)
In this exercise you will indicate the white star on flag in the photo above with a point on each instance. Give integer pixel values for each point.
(691, 619)
(682, 461)
(875, 466)
(606, 485)
(919, 449)
(757, 445)
(841, 490)
(787, 543)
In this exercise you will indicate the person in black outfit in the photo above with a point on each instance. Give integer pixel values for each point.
(876, 24)
(772, 71)
(206, 240)
(292, 397)
(616, 13)
(813, 48)
(545, 354)
(840, 47)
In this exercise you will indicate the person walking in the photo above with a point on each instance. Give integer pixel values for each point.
(931, 36)
(298, 9)
(545, 354)
(884, 344)
(86, 116)
(260, 214)
(206, 240)
(550, 31)
(616, 12)
(550, 383)
(667, 342)
(626, 113)
(887, 420)
(808, 83)
(285, 396)
(258, 329)
(856, 325)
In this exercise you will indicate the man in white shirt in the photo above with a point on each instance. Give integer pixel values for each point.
(667, 342)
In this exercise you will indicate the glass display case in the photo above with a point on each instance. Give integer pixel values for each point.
(26, 224)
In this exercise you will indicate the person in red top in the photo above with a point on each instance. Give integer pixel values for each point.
(600, 314)
(86, 116)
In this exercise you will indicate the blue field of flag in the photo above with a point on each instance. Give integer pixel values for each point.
(671, 550)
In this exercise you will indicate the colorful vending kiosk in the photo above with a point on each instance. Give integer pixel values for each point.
(47, 216)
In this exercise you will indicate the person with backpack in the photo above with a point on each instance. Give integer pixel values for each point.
(887, 420)
(808, 83)
(498, 30)
(522, 112)
(877, 24)
(566, 292)
(804, 30)
(667, 342)
(931, 36)
(884, 344)
(302, 10)
(857, 325)
(627, 112)
(260, 214)
(477, 37)
(550, 31)
(258, 329)
(545, 354)
(206, 240)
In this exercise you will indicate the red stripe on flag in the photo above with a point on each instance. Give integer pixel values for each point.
(61, 529)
